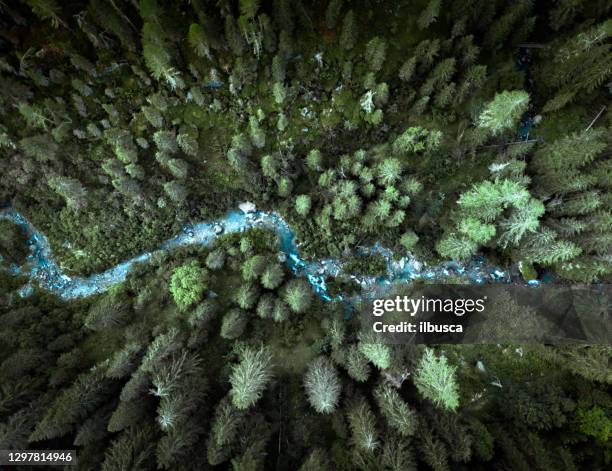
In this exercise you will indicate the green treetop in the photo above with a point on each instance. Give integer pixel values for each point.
(504, 111)
(187, 284)
(435, 380)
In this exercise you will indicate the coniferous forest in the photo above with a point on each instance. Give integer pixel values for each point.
(443, 129)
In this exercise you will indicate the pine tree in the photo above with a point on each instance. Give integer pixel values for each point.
(253, 267)
(435, 380)
(322, 386)
(203, 313)
(73, 405)
(376, 352)
(434, 451)
(302, 205)
(395, 410)
(282, 122)
(298, 295)
(524, 219)
(215, 259)
(223, 432)
(250, 377)
(406, 71)
(362, 424)
(397, 454)
(127, 414)
(281, 311)
(279, 92)
(176, 191)
(269, 166)
(111, 18)
(157, 57)
(332, 13)
(430, 14)
(71, 190)
(111, 311)
(234, 323)
(132, 450)
(258, 137)
(247, 295)
(477, 231)
(279, 69)
(198, 40)
(285, 187)
(47, 10)
(233, 37)
(272, 276)
(187, 140)
(408, 240)
(357, 364)
(166, 141)
(416, 139)
(375, 53)
(349, 33)
(317, 460)
(504, 111)
(265, 306)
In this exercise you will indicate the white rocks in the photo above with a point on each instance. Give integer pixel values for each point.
(247, 207)
(218, 229)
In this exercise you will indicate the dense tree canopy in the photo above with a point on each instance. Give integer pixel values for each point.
(438, 129)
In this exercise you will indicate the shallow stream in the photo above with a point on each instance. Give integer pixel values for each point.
(42, 269)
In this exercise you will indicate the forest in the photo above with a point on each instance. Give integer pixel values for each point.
(440, 129)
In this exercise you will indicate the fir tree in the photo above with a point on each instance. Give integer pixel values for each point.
(250, 377)
(322, 386)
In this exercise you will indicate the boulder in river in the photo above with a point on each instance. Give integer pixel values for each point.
(247, 207)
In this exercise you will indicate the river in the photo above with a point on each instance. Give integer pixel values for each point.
(42, 270)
